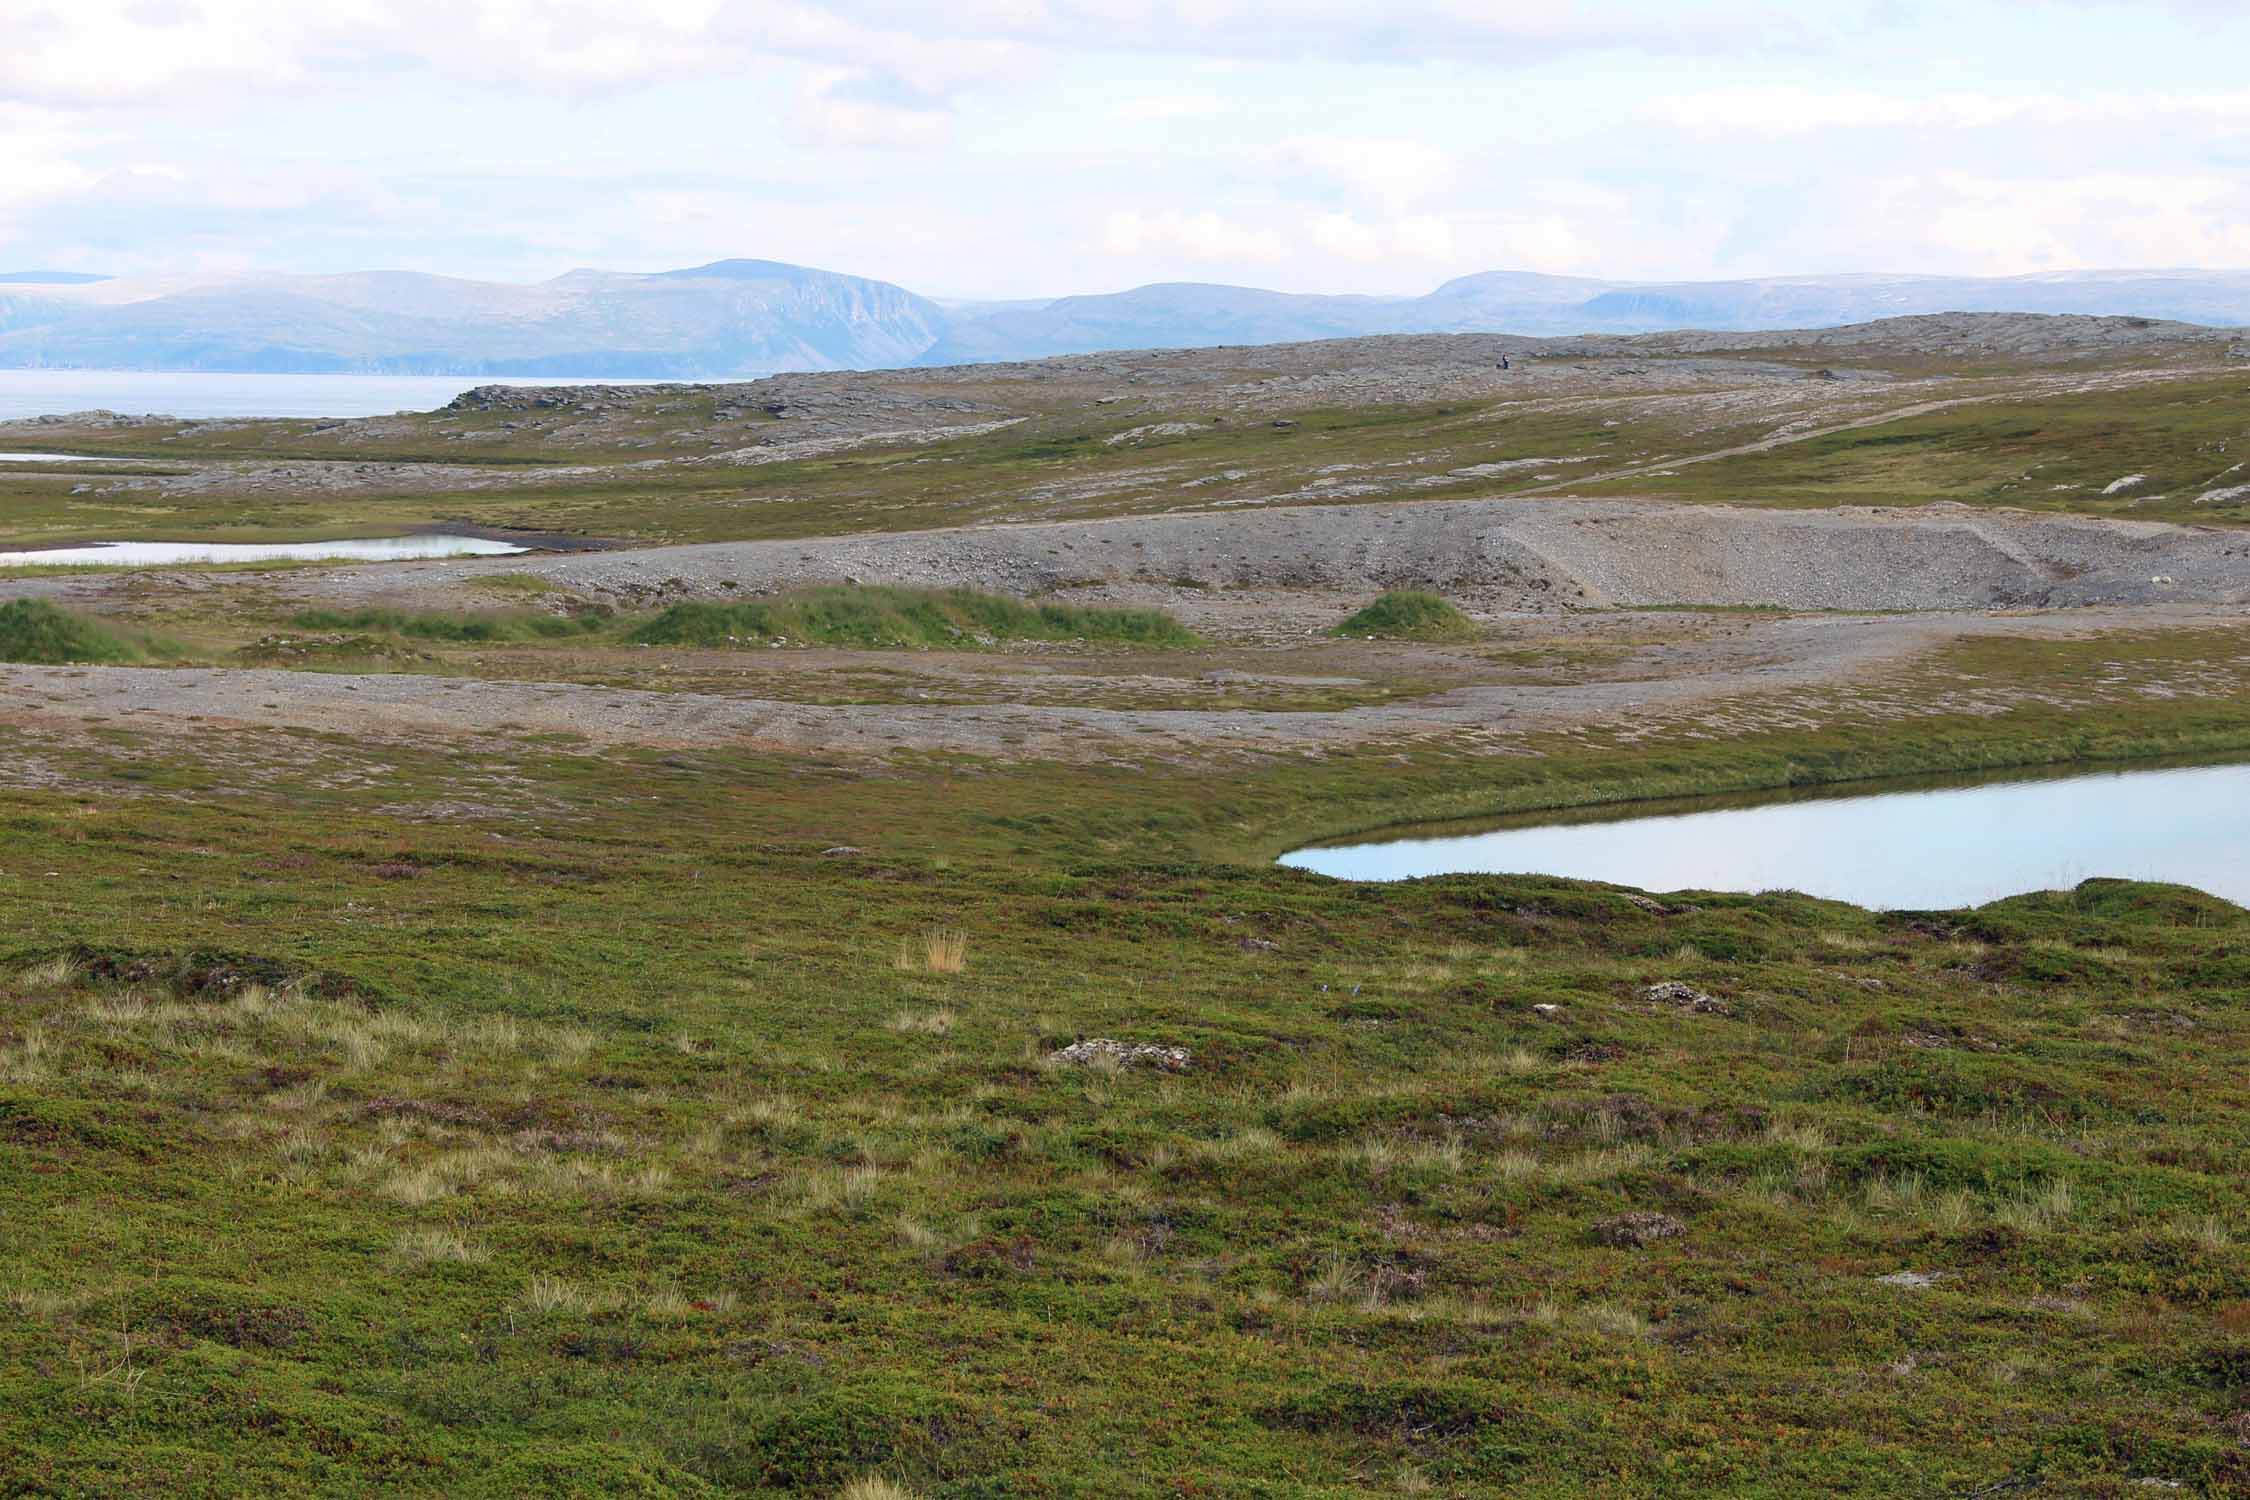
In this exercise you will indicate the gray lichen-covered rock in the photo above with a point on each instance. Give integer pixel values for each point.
(1914, 1281)
(1103, 1051)
(1638, 1228)
(1687, 997)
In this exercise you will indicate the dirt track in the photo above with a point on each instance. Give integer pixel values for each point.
(1758, 673)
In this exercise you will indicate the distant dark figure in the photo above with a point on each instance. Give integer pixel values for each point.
(1504, 362)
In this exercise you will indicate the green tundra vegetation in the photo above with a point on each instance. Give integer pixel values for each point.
(874, 616)
(32, 630)
(478, 629)
(2169, 451)
(532, 1117)
(1409, 615)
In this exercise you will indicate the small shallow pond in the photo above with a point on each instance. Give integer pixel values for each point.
(161, 554)
(1924, 845)
(44, 458)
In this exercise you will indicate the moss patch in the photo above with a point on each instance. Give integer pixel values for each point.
(873, 617)
(1410, 615)
(32, 630)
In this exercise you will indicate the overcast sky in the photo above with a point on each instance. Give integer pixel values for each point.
(993, 148)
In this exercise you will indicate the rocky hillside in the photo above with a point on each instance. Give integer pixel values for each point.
(734, 317)
(1186, 315)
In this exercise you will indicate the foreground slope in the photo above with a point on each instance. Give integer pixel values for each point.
(477, 1117)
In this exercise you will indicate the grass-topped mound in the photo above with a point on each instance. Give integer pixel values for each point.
(32, 630)
(868, 616)
(1410, 615)
(467, 628)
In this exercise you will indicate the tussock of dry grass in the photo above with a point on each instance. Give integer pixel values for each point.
(426, 1247)
(875, 1487)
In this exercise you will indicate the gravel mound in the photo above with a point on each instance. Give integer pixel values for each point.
(1503, 554)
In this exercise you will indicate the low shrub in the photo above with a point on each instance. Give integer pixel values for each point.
(1410, 615)
(32, 630)
(867, 616)
(468, 629)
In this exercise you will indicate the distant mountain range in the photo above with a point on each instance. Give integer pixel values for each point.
(754, 317)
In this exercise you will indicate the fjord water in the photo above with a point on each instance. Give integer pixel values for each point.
(1932, 846)
(39, 393)
(356, 549)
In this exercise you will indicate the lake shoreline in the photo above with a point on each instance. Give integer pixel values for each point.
(1919, 843)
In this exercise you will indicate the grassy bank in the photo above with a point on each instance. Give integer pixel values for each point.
(1409, 615)
(874, 617)
(32, 630)
(487, 628)
(852, 617)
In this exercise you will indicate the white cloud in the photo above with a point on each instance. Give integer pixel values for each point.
(985, 146)
(133, 51)
(1795, 110)
(1395, 171)
(2093, 220)
(1421, 237)
(1549, 242)
(838, 109)
(38, 158)
(1171, 107)
(1204, 237)
(1509, 32)
(129, 52)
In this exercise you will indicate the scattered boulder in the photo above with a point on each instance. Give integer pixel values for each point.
(1656, 908)
(1638, 1228)
(1104, 1051)
(1153, 430)
(1913, 1280)
(1260, 945)
(1687, 997)
(840, 850)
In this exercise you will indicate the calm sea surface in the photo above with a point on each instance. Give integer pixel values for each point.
(34, 393)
